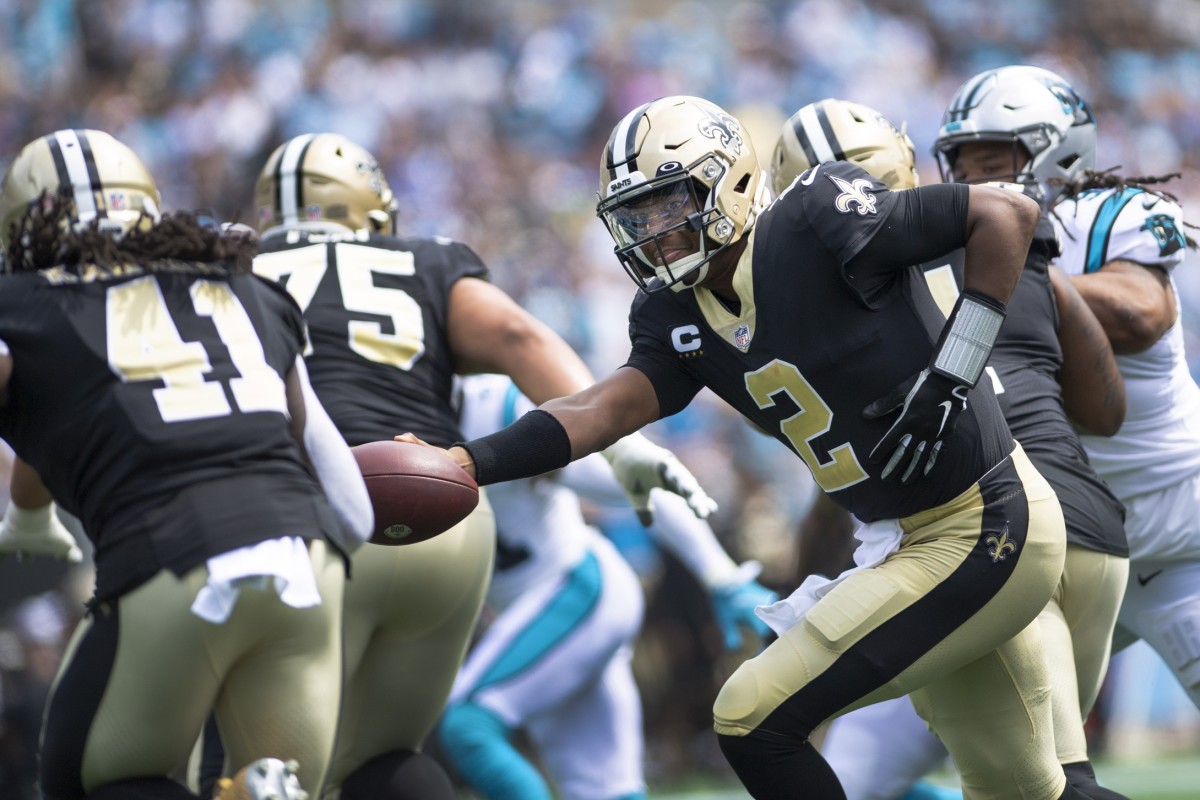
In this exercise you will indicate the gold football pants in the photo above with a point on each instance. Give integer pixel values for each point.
(946, 618)
(142, 674)
(409, 615)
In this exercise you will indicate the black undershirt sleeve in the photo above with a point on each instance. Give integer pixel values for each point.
(924, 223)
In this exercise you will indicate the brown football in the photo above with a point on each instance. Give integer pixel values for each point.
(416, 491)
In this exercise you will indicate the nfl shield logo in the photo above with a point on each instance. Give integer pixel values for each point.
(117, 201)
(741, 337)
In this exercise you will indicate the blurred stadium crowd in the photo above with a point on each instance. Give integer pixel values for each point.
(489, 119)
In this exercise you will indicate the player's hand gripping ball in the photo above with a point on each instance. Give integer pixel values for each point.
(417, 492)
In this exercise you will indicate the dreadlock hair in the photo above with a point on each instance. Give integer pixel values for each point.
(1109, 179)
(44, 237)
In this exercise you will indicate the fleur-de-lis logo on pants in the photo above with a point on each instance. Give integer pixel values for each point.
(999, 545)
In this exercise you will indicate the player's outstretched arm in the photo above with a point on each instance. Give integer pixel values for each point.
(569, 428)
(1092, 387)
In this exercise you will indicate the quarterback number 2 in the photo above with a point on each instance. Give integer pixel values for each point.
(356, 267)
(152, 349)
(814, 418)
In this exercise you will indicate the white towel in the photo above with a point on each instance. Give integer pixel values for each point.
(286, 560)
(877, 541)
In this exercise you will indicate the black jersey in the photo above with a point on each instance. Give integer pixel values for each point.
(376, 309)
(812, 346)
(1024, 369)
(154, 408)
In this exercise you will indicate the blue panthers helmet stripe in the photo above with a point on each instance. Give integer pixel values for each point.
(1102, 227)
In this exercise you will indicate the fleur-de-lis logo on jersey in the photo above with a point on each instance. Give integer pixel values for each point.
(1162, 227)
(723, 129)
(999, 545)
(857, 194)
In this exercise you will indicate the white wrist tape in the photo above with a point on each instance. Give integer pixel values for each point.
(968, 338)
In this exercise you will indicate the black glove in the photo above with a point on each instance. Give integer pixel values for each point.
(930, 405)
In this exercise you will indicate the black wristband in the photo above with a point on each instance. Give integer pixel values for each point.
(533, 445)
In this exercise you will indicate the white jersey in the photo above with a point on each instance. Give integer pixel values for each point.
(1159, 443)
(540, 527)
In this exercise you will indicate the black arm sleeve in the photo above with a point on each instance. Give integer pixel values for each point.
(924, 223)
(533, 445)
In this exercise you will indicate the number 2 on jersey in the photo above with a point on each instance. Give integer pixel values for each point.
(814, 418)
(143, 343)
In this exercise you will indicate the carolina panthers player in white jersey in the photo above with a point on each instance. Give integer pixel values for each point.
(556, 661)
(1120, 242)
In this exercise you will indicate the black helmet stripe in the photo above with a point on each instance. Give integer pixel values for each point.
(959, 111)
(621, 155)
(67, 150)
(830, 134)
(93, 173)
(811, 131)
(810, 155)
(289, 189)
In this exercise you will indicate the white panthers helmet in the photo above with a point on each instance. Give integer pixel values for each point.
(1030, 107)
(678, 163)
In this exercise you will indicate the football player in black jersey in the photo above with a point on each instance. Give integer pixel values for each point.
(154, 388)
(805, 317)
(391, 320)
(1052, 364)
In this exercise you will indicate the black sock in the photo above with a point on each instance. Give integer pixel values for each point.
(1082, 777)
(773, 767)
(142, 789)
(212, 758)
(402, 775)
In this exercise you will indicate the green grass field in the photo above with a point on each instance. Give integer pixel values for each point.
(1167, 779)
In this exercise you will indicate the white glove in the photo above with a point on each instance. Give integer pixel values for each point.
(640, 465)
(38, 531)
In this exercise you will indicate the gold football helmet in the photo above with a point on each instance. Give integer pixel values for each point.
(838, 130)
(324, 177)
(109, 183)
(678, 164)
